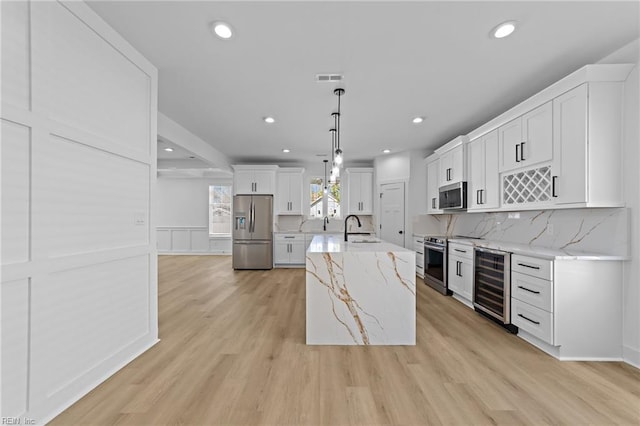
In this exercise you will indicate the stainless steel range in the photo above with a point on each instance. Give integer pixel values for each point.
(435, 263)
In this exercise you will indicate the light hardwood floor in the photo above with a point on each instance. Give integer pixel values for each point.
(233, 352)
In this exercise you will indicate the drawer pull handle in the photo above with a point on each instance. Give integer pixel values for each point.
(529, 319)
(461, 251)
(528, 266)
(289, 237)
(530, 291)
(419, 252)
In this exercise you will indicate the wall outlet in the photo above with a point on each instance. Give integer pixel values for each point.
(139, 219)
(550, 229)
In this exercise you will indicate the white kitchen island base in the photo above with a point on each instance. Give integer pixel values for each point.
(360, 293)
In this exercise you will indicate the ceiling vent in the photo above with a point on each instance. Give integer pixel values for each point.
(328, 78)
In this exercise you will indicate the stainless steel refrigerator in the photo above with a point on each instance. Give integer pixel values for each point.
(253, 232)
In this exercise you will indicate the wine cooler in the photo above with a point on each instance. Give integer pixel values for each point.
(492, 285)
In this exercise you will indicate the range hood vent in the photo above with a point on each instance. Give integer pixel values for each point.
(328, 78)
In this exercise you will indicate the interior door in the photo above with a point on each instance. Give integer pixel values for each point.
(392, 213)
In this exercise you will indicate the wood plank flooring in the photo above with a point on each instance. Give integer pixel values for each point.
(233, 352)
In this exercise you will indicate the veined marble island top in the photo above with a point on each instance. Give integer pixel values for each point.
(332, 244)
(360, 293)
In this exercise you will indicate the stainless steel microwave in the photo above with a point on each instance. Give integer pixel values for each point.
(454, 196)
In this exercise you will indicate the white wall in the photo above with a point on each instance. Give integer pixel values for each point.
(631, 132)
(183, 216)
(79, 281)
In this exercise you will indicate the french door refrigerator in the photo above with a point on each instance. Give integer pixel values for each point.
(253, 232)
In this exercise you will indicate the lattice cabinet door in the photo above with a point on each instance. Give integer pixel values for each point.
(532, 186)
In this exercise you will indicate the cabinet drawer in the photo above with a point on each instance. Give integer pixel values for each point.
(461, 250)
(532, 290)
(289, 237)
(419, 260)
(533, 320)
(420, 271)
(541, 268)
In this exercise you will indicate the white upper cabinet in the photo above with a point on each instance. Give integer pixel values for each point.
(289, 191)
(360, 191)
(254, 179)
(484, 185)
(586, 169)
(527, 140)
(452, 161)
(433, 183)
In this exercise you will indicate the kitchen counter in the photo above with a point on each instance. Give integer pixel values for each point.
(360, 293)
(541, 252)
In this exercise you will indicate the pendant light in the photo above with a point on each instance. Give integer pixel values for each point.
(338, 158)
(335, 170)
(326, 190)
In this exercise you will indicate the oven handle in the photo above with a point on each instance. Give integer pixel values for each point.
(436, 248)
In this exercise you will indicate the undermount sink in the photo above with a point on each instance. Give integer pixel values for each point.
(364, 240)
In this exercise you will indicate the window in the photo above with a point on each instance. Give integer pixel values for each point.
(322, 204)
(220, 210)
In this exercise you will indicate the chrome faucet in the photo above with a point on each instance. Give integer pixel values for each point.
(325, 222)
(345, 225)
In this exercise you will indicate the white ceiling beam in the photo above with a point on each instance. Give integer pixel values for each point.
(170, 131)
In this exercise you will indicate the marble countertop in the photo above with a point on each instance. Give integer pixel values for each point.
(331, 244)
(541, 252)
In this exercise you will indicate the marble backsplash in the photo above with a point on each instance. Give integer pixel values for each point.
(304, 224)
(604, 231)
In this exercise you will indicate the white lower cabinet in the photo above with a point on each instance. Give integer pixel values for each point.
(289, 250)
(460, 270)
(418, 247)
(568, 308)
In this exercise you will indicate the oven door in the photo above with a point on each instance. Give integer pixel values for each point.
(435, 266)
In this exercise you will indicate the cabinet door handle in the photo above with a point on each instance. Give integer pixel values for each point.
(478, 197)
(529, 290)
(482, 196)
(433, 203)
(529, 319)
(553, 186)
(528, 266)
(517, 158)
(522, 151)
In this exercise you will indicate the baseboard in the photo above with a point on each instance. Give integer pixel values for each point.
(56, 411)
(631, 356)
(462, 300)
(182, 253)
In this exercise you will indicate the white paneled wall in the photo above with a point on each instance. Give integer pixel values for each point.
(79, 281)
(183, 217)
(190, 239)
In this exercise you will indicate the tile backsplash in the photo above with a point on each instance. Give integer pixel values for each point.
(603, 231)
(303, 224)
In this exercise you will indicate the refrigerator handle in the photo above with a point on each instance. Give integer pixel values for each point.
(252, 217)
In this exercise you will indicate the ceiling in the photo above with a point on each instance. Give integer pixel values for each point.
(399, 60)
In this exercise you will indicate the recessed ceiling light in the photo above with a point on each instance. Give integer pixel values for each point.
(286, 150)
(386, 151)
(169, 149)
(417, 120)
(222, 30)
(269, 120)
(504, 29)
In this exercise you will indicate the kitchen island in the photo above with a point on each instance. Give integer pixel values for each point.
(360, 293)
